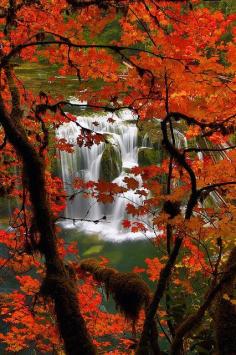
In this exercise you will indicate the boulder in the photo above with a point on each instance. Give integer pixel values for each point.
(111, 163)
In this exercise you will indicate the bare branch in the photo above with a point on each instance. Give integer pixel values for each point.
(193, 321)
(187, 150)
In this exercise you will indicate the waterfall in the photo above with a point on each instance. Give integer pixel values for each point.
(146, 143)
(180, 139)
(85, 163)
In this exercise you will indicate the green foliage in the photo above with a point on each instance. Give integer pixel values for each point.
(149, 156)
(226, 6)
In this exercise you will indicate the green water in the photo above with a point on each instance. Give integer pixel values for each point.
(42, 77)
(123, 255)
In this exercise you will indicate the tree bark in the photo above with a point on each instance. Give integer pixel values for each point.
(148, 337)
(57, 284)
(225, 320)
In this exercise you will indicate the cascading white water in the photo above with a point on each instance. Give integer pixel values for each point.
(86, 164)
(180, 139)
(146, 142)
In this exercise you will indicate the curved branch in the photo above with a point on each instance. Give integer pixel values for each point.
(67, 42)
(179, 157)
(212, 187)
(146, 337)
(41, 108)
(193, 321)
(191, 120)
(187, 150)
(57, 283)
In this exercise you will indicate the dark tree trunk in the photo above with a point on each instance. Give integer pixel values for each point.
(225, 320)
(57, 284)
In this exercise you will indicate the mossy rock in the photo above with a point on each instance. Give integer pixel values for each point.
(149, 156)
(111, 163)
(152, 128)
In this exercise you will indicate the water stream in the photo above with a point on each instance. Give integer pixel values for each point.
(85, 163)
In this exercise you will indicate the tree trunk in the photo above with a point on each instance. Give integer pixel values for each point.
(225, 310)
(57, 283)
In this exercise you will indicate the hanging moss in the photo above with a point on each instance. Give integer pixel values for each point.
(111, 163)
(128, 290)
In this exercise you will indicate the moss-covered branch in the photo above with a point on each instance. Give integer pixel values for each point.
(128, 290)
(58, 284)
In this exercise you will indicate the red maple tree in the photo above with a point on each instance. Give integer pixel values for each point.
(171, 60)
